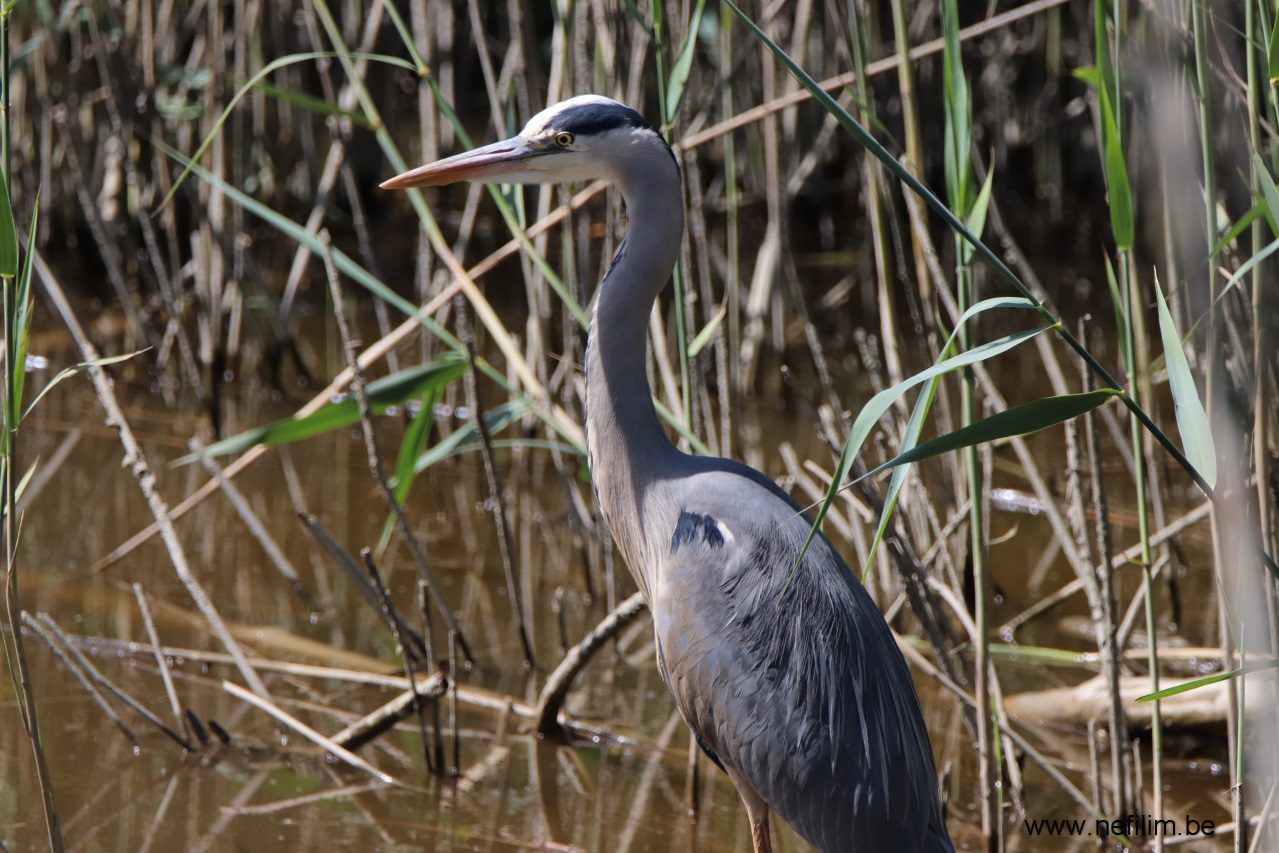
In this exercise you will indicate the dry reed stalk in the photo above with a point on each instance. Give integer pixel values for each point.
(258, 530)
(497, 492)
(137, 463)
(49, 631)
(61, 653)
(174, 705)
(1107, 626)
(375, 454)
(312, 735)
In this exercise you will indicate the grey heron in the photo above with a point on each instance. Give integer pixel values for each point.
(798, 693)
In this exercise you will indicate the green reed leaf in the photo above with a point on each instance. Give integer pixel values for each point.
(1211, 679)
(977, 216)
(1192, 420)
(881, 402)
(1270, 194)
(1020, 420)
(79, 368)
(705, 335)
(683, 66)
(919, 413)
(1121, 216)
(1273, 52)
(8, 234)
(394, 390)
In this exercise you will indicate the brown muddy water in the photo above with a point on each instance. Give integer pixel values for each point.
(625, 785)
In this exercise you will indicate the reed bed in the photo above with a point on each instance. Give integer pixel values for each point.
(1074, 420)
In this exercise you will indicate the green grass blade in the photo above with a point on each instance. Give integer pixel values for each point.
(1273, 52)
(414, 443)
(1089, 74)
(79, 368)
(1258, 209)
(1192, 421)
(1269, 192)
(1020, 420)
(462, 440)
(977, 217)
(880, 403)
(343, 261)
(958, 110)
(913, 429)
(1243, 270)
(267, 69)
(26, 480)
(639, 18)
(8, 234)
(920, 412)
(466, 437)
(859, 133)
(312, 103)
(1117, 300)
(678, 82)
(1120, 195)
(1211, 679)
(411, 447)
(705, 335)
(393, 390)
(24, 305)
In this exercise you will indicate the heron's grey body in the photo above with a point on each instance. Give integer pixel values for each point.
(800, 694)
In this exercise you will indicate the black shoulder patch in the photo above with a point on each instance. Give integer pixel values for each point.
(693, 527)
(600, 118)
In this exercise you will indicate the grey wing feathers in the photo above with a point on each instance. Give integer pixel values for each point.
(803, 694)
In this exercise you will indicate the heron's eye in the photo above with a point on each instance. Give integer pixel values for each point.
(563, 139)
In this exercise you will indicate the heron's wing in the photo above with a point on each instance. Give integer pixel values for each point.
(799, 690)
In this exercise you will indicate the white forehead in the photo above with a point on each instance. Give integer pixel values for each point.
(546, 118)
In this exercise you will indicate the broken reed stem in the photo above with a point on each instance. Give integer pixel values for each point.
(497, 492)
(79, 674)
(393, 620)
(149, 622)
(371, 447)
(1108, 627)
(433, 666)
(255, 525)
(334, 749)
(137, 464)
(457, 744)
(93, 673)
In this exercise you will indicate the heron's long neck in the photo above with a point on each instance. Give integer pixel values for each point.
(628, 447)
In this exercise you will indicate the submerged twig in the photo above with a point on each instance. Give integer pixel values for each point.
(92, 672)
(561, 680)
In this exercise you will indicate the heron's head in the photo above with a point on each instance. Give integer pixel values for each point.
(582, 139)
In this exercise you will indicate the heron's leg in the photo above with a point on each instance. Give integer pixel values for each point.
(759, 832)
(757, 811)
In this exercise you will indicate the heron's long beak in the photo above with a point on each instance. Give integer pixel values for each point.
(500, 158)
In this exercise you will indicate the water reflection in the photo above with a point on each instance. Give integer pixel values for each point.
(625, 786)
